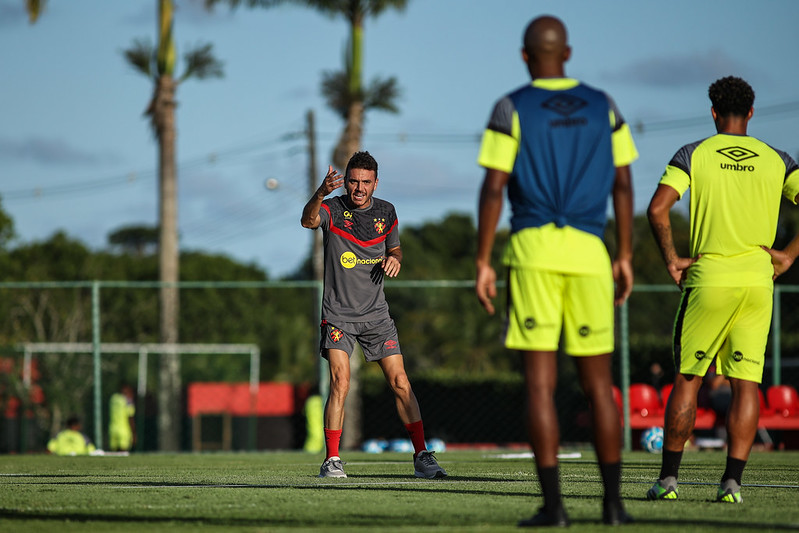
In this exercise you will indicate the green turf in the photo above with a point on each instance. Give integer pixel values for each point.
(279, 491)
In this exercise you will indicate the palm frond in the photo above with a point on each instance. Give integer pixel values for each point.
(140, 56)
(35, 8)
(201, 63)
(335, 90)
(233, 4)
(382, 95)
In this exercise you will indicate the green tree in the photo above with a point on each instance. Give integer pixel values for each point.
(135, 240)
(159, 64)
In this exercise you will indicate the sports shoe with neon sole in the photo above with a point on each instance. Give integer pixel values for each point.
(333, 467)
(426, 466)
(663, 489)
(729, 492)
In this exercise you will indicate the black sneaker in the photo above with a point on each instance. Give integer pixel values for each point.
(544, 518)
(426, 466)
(613, 514)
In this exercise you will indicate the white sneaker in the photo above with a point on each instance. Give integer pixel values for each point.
(425, 465)
(333, 467)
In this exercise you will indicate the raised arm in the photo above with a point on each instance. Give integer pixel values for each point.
(623, 208)
(310, 213)
(659, 207)
(489, 211)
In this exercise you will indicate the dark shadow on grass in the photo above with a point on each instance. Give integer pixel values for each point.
(352, 520)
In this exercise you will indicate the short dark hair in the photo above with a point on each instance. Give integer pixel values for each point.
(362, 160)
(73, 421)
(731, 96)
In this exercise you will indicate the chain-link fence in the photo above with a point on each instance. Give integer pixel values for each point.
(469, 387)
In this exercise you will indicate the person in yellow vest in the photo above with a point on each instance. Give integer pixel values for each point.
(121, 425)
(71, 441)
(314, 423)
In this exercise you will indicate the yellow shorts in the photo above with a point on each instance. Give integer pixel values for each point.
(731, 323)
(542, 303)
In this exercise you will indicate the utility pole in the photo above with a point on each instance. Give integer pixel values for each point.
(313, 182)
(317, 253)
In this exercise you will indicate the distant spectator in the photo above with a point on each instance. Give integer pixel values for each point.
(71, 441)
(656, 375)
(122, 425)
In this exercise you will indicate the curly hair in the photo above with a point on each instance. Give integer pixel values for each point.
(362, 160)
(731, 96)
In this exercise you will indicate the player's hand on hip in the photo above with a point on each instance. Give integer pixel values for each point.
(486, 286)
(780, 260)
(391, 266)
(333, 180)
(678, 269)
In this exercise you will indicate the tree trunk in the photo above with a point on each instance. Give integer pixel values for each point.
(169, 390)
(350, 140)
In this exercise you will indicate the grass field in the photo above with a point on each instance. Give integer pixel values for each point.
(253, 492)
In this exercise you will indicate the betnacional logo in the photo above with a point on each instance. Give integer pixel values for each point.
(349, 260)
(347, 214)
(335, 334)
(380, 225)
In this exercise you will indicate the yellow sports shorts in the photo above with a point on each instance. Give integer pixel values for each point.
(542, 303)
(731, 323)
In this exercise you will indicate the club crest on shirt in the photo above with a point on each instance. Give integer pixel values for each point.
(335, 334)
(380, 225)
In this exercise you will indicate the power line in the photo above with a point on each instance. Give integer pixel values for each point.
(100, 184)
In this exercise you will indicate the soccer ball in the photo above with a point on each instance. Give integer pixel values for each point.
(436, 445)
(652, 440)
(400, 445)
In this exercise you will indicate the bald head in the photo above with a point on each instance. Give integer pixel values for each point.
(546, 46)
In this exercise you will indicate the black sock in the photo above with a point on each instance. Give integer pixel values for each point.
(671, 464)
(734, 470)
(550, 487)
(611, 480)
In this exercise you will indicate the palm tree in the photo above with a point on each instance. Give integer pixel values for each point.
(159, 65)
(34, 9)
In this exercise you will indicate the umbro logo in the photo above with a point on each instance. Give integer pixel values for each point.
(737, 153)
(564, 104)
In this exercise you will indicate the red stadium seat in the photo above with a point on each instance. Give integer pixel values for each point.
(617, 397)
(665, 391)
(644, 399)
(783, 400)
(765, 410)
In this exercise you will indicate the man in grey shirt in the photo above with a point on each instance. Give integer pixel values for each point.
(361, 241)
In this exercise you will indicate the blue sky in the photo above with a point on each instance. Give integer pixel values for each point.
(76, 153)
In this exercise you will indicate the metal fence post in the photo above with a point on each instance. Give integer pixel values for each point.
(98, 380)
(776, 338)
(624, 333)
